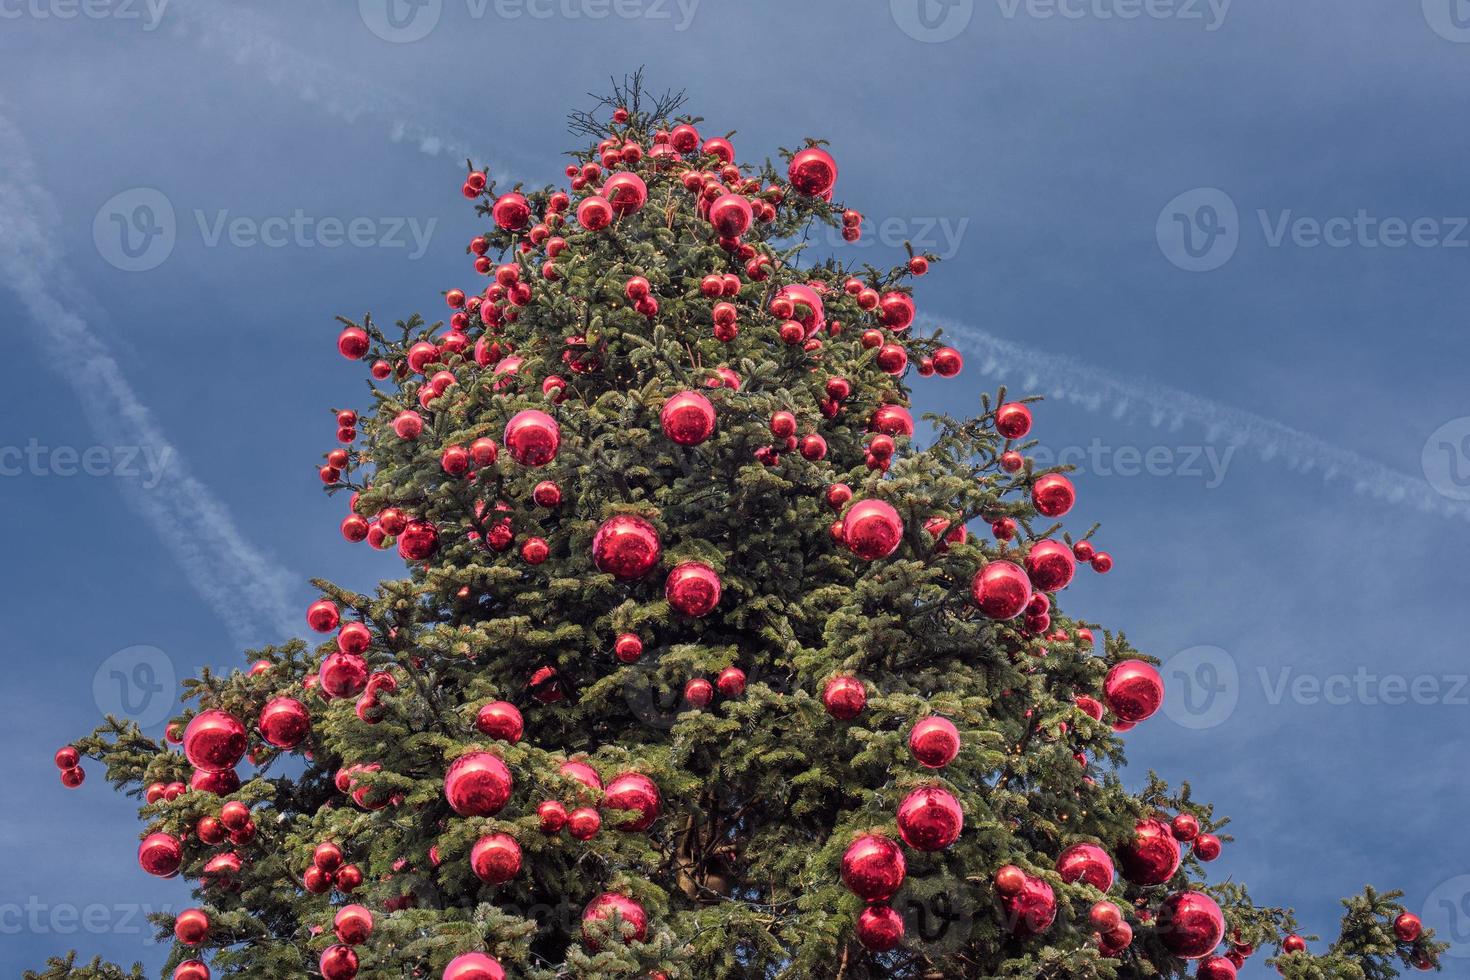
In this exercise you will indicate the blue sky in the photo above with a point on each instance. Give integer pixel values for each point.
(1229, 239)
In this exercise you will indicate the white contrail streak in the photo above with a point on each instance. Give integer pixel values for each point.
(1128, 400)
(245, 588)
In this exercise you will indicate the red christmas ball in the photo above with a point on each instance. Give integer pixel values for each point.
(284, 722)
(214, 741)
(327, 856)
(872, 529)
(1407, 927)
(353, 924)
(698, 693)
(934, 741)
(322, 616)
(807, 308)
(67, 757)
(1216, 968)
(1001, 590)
(896, 310)
(688, 418)
(633, 791)
(1013, 420)
(692, 589)
(1113, 942)
(626, 546)
(813, 171)
(583, 823)
(419, 541)
(502, 720)
(532, 437)
(221, 783)
(731, 682)
(1086, 862)
(731, 215)
(1190, 924)
(477, 785)
(343, 675)
(338, 963)
(496, 858)
(1152, 856)
(595, 213)
(1053, 495)
(1133, 691)
(511, 211)
(844, 697)
(1031, 911)
(625, 915)
(626, 191)
(1207, 847)
(879, 928)
(553, 816)
(161, 855)
(191, 927)
(948, 362)
(930, 819)
(547, 494)
(348, 878)
(191, 970)
(1185, 827)
(1010, 880)
(582, 773)
(73, 777)
(353, 342)
(1051, 565)
(873, 867)
(628, 648)
(474, 966)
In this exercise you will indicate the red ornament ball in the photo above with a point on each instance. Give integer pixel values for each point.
(688, 418)
(284, 722)
(1190, 924)
(1185, 827)
(628, 648)
(342, 675)
(1051, 565)
(583, 823)
(214, 741)
(731, 215)
(74, 777)
(1032, 910)
(474, 966)
(930, 819)
(418, 542)
(813, 171)
(322, 616)
(1407, 927)
(477, 785)
(191, 927)
(1013, 420)
(553, 816)
(502, 720)
(633, 791)
(1207, 847)
(873, 867)
(496, 858)
(934, 741)
(844, 697)
(626, 546)
(511, 211)
(692, 589)
(1001, 590)
(698, 693)
(1152, 856)
(872, 529)
(1086, 862)
(161, 855)
(1216, 968)
(1133, 691)
(353, 924)
(731, 682)
(338, 963)
(625, 915)
(626, 192)
(1053, 495)
(879, 928)
(532, 437)
(191, 970)
(67, 757)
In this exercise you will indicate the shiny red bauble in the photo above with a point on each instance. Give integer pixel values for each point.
(1009, 880)
(1031, 911)
(892, 420)
(495, 858)
(1001, 590)
(1407, 927)
(477, 785)
(511, 211)
(532, 437)
(626, 546)
(930, 819)
(221, 783)
(812, 171)
(418, 542)
(353, 924)
(628, 648)
(582, 773)
(1185, 827)
(191, 970)
(948, 362)
(67, 757)
(191, 927)
(731, 215)
(353, 342)
(1051, 565)
(1053, 495)
(161, 855)
(844, 697)
(731, 682)
(474, 966)
(1152, 856)
(1190, 924)
(1086, 862)
(595, 213)
(807, 308)
(626, 192)
(338, 963)
(896, 310)
(1207, 847)
(214, 741)
(692, 589)
(872, 529)
(322, 616)
(73, 777)
(1133, 691)
(698, 693)
(934, 741)
(633, 791)
(502, 720)
(873, 867)
(1013, 420)
(879, 928)
(553, 816)
(1216, 968)
(342, 675)
(688, 418)
(284, 722)
(610, 907)
(584, 822)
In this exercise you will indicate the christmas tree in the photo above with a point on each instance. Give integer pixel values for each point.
(699, 669)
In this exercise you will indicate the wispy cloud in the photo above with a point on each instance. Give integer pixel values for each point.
(245, 588)
(1140, 401)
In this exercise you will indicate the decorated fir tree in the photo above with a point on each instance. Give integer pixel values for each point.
(705, 665)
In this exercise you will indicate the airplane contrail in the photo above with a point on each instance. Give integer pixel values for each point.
(1161, 407)
(249, 591)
